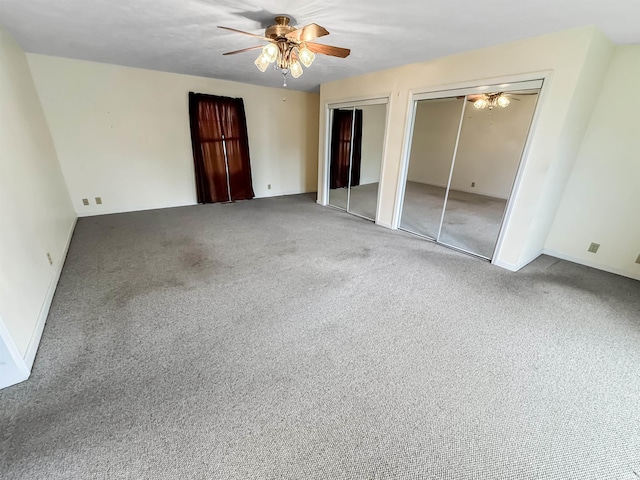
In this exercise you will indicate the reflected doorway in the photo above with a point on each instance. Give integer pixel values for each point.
(464, 156)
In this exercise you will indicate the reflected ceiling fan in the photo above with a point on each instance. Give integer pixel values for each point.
(289, 46)
(497, 99)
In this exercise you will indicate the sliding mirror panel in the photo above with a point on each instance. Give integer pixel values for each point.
(435, 131)
(492, 138)
(368, 142)
(342, 130)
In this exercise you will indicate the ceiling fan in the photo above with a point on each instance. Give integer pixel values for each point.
(289, 46)
(492, 100)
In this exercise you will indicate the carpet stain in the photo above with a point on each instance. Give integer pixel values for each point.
(178, 265)
(355, 254)
(287, 248)
(121, 295)
(197, 259)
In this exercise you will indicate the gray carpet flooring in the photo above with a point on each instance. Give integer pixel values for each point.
(472, 222)
(363, 200)
(278, 339)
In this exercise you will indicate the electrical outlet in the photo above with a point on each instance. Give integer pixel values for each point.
(593, 248)
(269, 187)
(85, 201)
(98, 200)
(473, 184)
(638, 259)
(49, 258)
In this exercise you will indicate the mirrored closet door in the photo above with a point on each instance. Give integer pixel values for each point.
(464, 157)
(342, 143)
(355, 156)
(435, 132)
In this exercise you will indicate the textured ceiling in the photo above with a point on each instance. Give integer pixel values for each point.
(181, 35)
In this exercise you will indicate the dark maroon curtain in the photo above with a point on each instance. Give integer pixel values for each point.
(341, 133)
(218, 123)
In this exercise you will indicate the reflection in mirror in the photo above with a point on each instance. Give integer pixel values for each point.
(342, 130)
(435, 130)
(489, 151)
(365, 167)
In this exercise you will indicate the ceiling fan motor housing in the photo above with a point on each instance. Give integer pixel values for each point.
(280, 29)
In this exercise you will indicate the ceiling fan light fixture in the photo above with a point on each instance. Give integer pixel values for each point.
(306, 56)
(270, 52)
(262, 63)
(296, 69)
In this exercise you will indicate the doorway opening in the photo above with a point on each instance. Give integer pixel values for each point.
(464, 154)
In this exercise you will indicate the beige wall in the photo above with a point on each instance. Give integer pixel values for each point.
(602, 199)
(573, 62)
(35, 210)
(122, 133)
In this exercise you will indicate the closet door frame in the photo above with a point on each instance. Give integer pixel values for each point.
(351, 104)
(535, 82)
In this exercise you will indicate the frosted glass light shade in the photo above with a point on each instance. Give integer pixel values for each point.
(481, 103)
(503, 101)
(262, 63)
(270, 52)
(296, 70)
(306, 56)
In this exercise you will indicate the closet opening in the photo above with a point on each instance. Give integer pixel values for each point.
(465, 150)
(354, 157)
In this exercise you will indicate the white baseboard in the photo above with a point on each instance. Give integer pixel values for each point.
(596, 265)
(506, 265)
(90, 212)
(529, 259)
(13, 368)
(515, 267)
(32, 348)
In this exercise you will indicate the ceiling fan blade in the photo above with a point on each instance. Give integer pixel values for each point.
(244, 50)
(328, 50)
(246, 33)
(308, 33)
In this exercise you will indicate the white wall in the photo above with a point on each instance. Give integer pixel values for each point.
(373, 123)
(435, 131)
(122, 133)
(602, 200)
(35, 210)
(574, 63)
